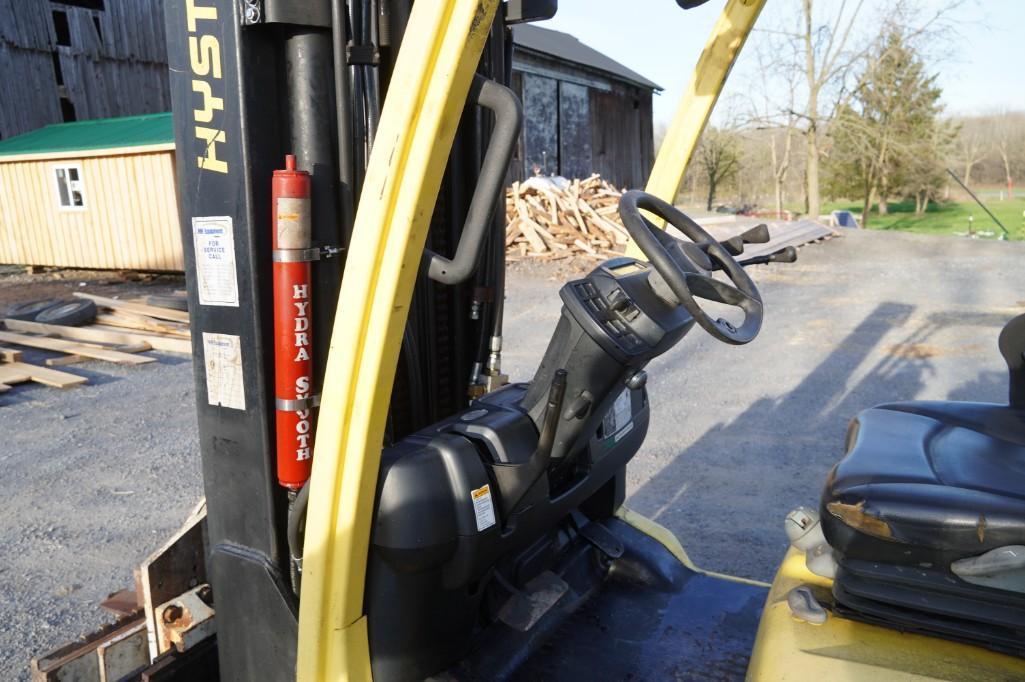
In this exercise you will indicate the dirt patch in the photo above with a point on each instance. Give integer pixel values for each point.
(923, 351)
(17, 285)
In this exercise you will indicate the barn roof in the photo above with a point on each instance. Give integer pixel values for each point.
(150, 132)
(566, 47)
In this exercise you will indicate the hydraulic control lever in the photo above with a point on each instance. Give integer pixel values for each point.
(759, 234)
(787, 254)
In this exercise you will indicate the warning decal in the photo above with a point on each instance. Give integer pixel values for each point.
(619, 420)
(483, 508)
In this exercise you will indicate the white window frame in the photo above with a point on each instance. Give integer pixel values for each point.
(72, 186)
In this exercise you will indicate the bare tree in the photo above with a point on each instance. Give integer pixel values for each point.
(1008, 133)
(718, 157)
(971, 147)
(826, 64)
(773, 115)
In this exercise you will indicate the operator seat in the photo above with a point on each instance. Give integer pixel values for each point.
(925, 515)
(926, 483)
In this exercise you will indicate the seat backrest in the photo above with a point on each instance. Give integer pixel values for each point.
(1012, 347)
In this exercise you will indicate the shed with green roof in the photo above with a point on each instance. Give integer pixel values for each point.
(91, 194)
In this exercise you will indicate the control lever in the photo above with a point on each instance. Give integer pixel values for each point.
(787, 254)
(759, 234)
(515, 481)
(551, 419)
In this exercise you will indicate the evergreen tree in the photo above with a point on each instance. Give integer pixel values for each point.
(889, 140)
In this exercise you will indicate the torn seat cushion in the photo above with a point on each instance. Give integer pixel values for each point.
(928, 483)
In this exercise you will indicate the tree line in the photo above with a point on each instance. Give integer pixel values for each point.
(847, 106)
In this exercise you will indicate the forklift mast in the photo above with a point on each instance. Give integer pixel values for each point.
(252, 81)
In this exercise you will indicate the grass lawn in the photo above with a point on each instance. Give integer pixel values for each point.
(947, 218)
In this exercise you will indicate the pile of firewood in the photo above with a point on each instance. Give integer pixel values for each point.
(552, 218)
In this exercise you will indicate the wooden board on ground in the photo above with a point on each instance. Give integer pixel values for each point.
(137, 308)
(9, 355)
(102, 335)
(18, 372)
(143, 323)
(75, 359)
(72, 348)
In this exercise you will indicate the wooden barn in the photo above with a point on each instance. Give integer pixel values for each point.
(92, 194)
(71, 60)
(583, 112)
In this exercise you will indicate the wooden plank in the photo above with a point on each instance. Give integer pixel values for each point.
(129, 339)
(137, 308)
(13, 374)
(143, 323)
(9, 355)
(18, 372)
(73, 348)
(64, 360)
(50, 377)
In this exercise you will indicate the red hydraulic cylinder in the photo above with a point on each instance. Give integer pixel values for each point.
(293, 334)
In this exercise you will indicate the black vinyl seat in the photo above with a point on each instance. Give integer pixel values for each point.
(928, 482)
(922, 485)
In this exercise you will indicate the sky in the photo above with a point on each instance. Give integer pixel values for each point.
(981, 68)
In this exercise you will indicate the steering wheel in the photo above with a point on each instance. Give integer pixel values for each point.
(686, 269)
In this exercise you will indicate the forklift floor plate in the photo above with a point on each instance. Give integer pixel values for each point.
(654, 619)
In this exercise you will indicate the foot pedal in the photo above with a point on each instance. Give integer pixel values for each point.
(525, 608)
(603, 538)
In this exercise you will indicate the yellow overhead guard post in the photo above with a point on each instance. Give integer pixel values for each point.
(426, 96)
(718, 57)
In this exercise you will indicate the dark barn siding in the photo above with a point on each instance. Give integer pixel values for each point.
(575, 130)
(116, 64)
(540, 99)
(579, 121)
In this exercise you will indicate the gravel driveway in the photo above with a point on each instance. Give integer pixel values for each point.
(97, 476)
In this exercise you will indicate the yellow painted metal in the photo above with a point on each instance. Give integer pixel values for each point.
(425, 99)
(699, 98)
(841, 649)
(665, 536)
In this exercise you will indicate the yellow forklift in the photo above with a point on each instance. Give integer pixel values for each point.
(450, 524)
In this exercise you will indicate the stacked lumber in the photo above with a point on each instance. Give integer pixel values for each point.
(554, 219)
(123, 331)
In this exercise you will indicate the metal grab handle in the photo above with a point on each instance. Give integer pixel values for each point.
(508, 118)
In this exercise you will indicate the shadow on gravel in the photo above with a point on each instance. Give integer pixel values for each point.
(797, 436)
(98, 373)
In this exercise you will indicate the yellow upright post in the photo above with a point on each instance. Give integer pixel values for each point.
(425, 99)
(699, 98)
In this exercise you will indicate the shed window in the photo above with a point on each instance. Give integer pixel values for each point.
(70, 192)
(61, 29)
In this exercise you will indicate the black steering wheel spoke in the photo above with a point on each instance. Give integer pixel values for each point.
(687, 267)
(711, 289)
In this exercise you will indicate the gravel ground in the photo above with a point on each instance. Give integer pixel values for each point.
(741, 435)
(97, 476)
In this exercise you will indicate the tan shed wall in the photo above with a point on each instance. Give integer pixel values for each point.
(130, 219)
